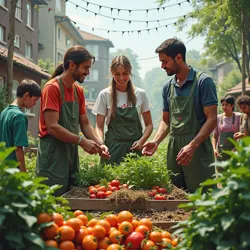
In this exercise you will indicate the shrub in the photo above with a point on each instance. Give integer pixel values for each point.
(221, 218)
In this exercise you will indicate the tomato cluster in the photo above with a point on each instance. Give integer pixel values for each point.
(101, 191)
(158, 193)
(114, 232)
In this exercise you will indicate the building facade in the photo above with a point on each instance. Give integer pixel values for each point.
(25, 50)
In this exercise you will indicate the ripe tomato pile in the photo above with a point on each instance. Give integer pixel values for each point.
(101, 192)
(158, 193)
(114, 232)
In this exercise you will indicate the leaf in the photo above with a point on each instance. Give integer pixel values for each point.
(207, 203)
(103, 215)
(29, 219)
(35, 239)
(89, 216)
(2, 218)
(226, 221)
(245, 216)
(27, 183)
(203, 229)
(245, 239)
(19, 205)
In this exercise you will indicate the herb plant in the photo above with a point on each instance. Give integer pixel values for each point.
(221, 217)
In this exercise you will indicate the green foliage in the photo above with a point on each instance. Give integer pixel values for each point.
(3, 99)
(221, 217)
(21, 199)
(46, 65)
(30, 164)
(33, 142)
(141, 172)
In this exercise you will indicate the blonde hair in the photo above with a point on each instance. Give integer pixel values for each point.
(121, 61)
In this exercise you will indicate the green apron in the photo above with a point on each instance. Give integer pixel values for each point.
(123, 130)
(224, 143)
(184, 126)
(58, 160)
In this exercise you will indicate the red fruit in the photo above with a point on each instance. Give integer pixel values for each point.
(152, 193)
(124, 186)
(92, 196)
(113, 189)
(115, 183)
(133, 240)
(108, 193)
(93, 191)
(101, 195)
(162, 190)
(102, 188)
(159, 197)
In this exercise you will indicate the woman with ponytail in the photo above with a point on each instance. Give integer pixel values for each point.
(124, 106)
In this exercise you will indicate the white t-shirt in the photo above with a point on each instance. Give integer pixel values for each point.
(103, 103)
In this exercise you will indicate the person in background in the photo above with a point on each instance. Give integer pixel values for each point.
(228, 123)
(189, 117)
(243, 103)
(123, 106)
(62, 110)
(14, 123)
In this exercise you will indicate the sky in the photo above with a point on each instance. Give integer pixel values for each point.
(143, 44)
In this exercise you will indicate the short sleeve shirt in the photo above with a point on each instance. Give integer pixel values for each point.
(204, 93)
(51, 99)
(13, 128)
(103, 102)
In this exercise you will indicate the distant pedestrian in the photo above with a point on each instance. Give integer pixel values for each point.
(14, 123)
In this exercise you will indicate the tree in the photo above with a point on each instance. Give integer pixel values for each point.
(226, 26)
(133, 60)
(11, 37)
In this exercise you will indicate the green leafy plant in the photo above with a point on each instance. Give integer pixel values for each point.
(221, 217)
(22, 198)
(3, 99)
(141, 172)
(33, 142)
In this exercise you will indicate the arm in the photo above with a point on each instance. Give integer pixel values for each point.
(100, 120)
(20, 158)
(147, 132)
(214, 143)
(150, 147)
(186, 153)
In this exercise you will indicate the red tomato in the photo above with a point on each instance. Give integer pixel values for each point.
(155, 187)
(152, 193)
(124, 186)
(101, 195)
(159, 197)
(162, 190)
(102, 188)
(113, 189)
(93, 191)
(115, 183)
(92, 196)
(108, 193)
(133, 240)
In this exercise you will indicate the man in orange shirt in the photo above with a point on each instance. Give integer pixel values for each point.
(62, 111)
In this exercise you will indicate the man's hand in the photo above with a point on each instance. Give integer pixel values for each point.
(137, 145)
(185, 155)
(105, 152)
(216, 153)
(149, 148)
(90, 146)
(238, 135)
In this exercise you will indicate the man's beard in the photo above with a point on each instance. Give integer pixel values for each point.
(77, 77)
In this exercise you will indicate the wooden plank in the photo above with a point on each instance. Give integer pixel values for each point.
(105, 205)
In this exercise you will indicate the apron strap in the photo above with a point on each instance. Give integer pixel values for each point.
(197, 75)
(221, 119)
(61, 89)
(76, 95)
(172, 89)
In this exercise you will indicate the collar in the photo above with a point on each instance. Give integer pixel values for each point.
(190, 78)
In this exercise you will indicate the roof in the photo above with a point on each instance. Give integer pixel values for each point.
(25, 63)
(238, 88)
(72, 30)
(91, 37)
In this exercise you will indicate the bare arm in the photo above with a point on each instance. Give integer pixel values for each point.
(100, 120)
(20, 158)
(186, 153)
(150, 147)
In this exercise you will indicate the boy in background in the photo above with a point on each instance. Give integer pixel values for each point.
(14, 123)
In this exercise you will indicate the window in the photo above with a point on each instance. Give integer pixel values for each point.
(58, 5)
(93, 76)
(67, 41)
(59, 34)
(17, 41)
(2, 33)
(59, 57)
(2, 2)
(19, 9)
(29, 18)
(1, 82)
(94, 50)
(28, 50)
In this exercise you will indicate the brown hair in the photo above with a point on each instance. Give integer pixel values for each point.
(121, 61)
(30, 86)
(77, 54)
(172, 47)
(243, 99)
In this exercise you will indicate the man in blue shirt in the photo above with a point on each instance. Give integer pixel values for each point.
(189, 117)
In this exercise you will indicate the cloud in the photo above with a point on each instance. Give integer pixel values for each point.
(91, 21)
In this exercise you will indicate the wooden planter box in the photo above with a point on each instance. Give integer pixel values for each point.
(106, 205)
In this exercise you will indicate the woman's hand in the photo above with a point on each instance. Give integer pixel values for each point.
(137, 145)
(238, 135)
